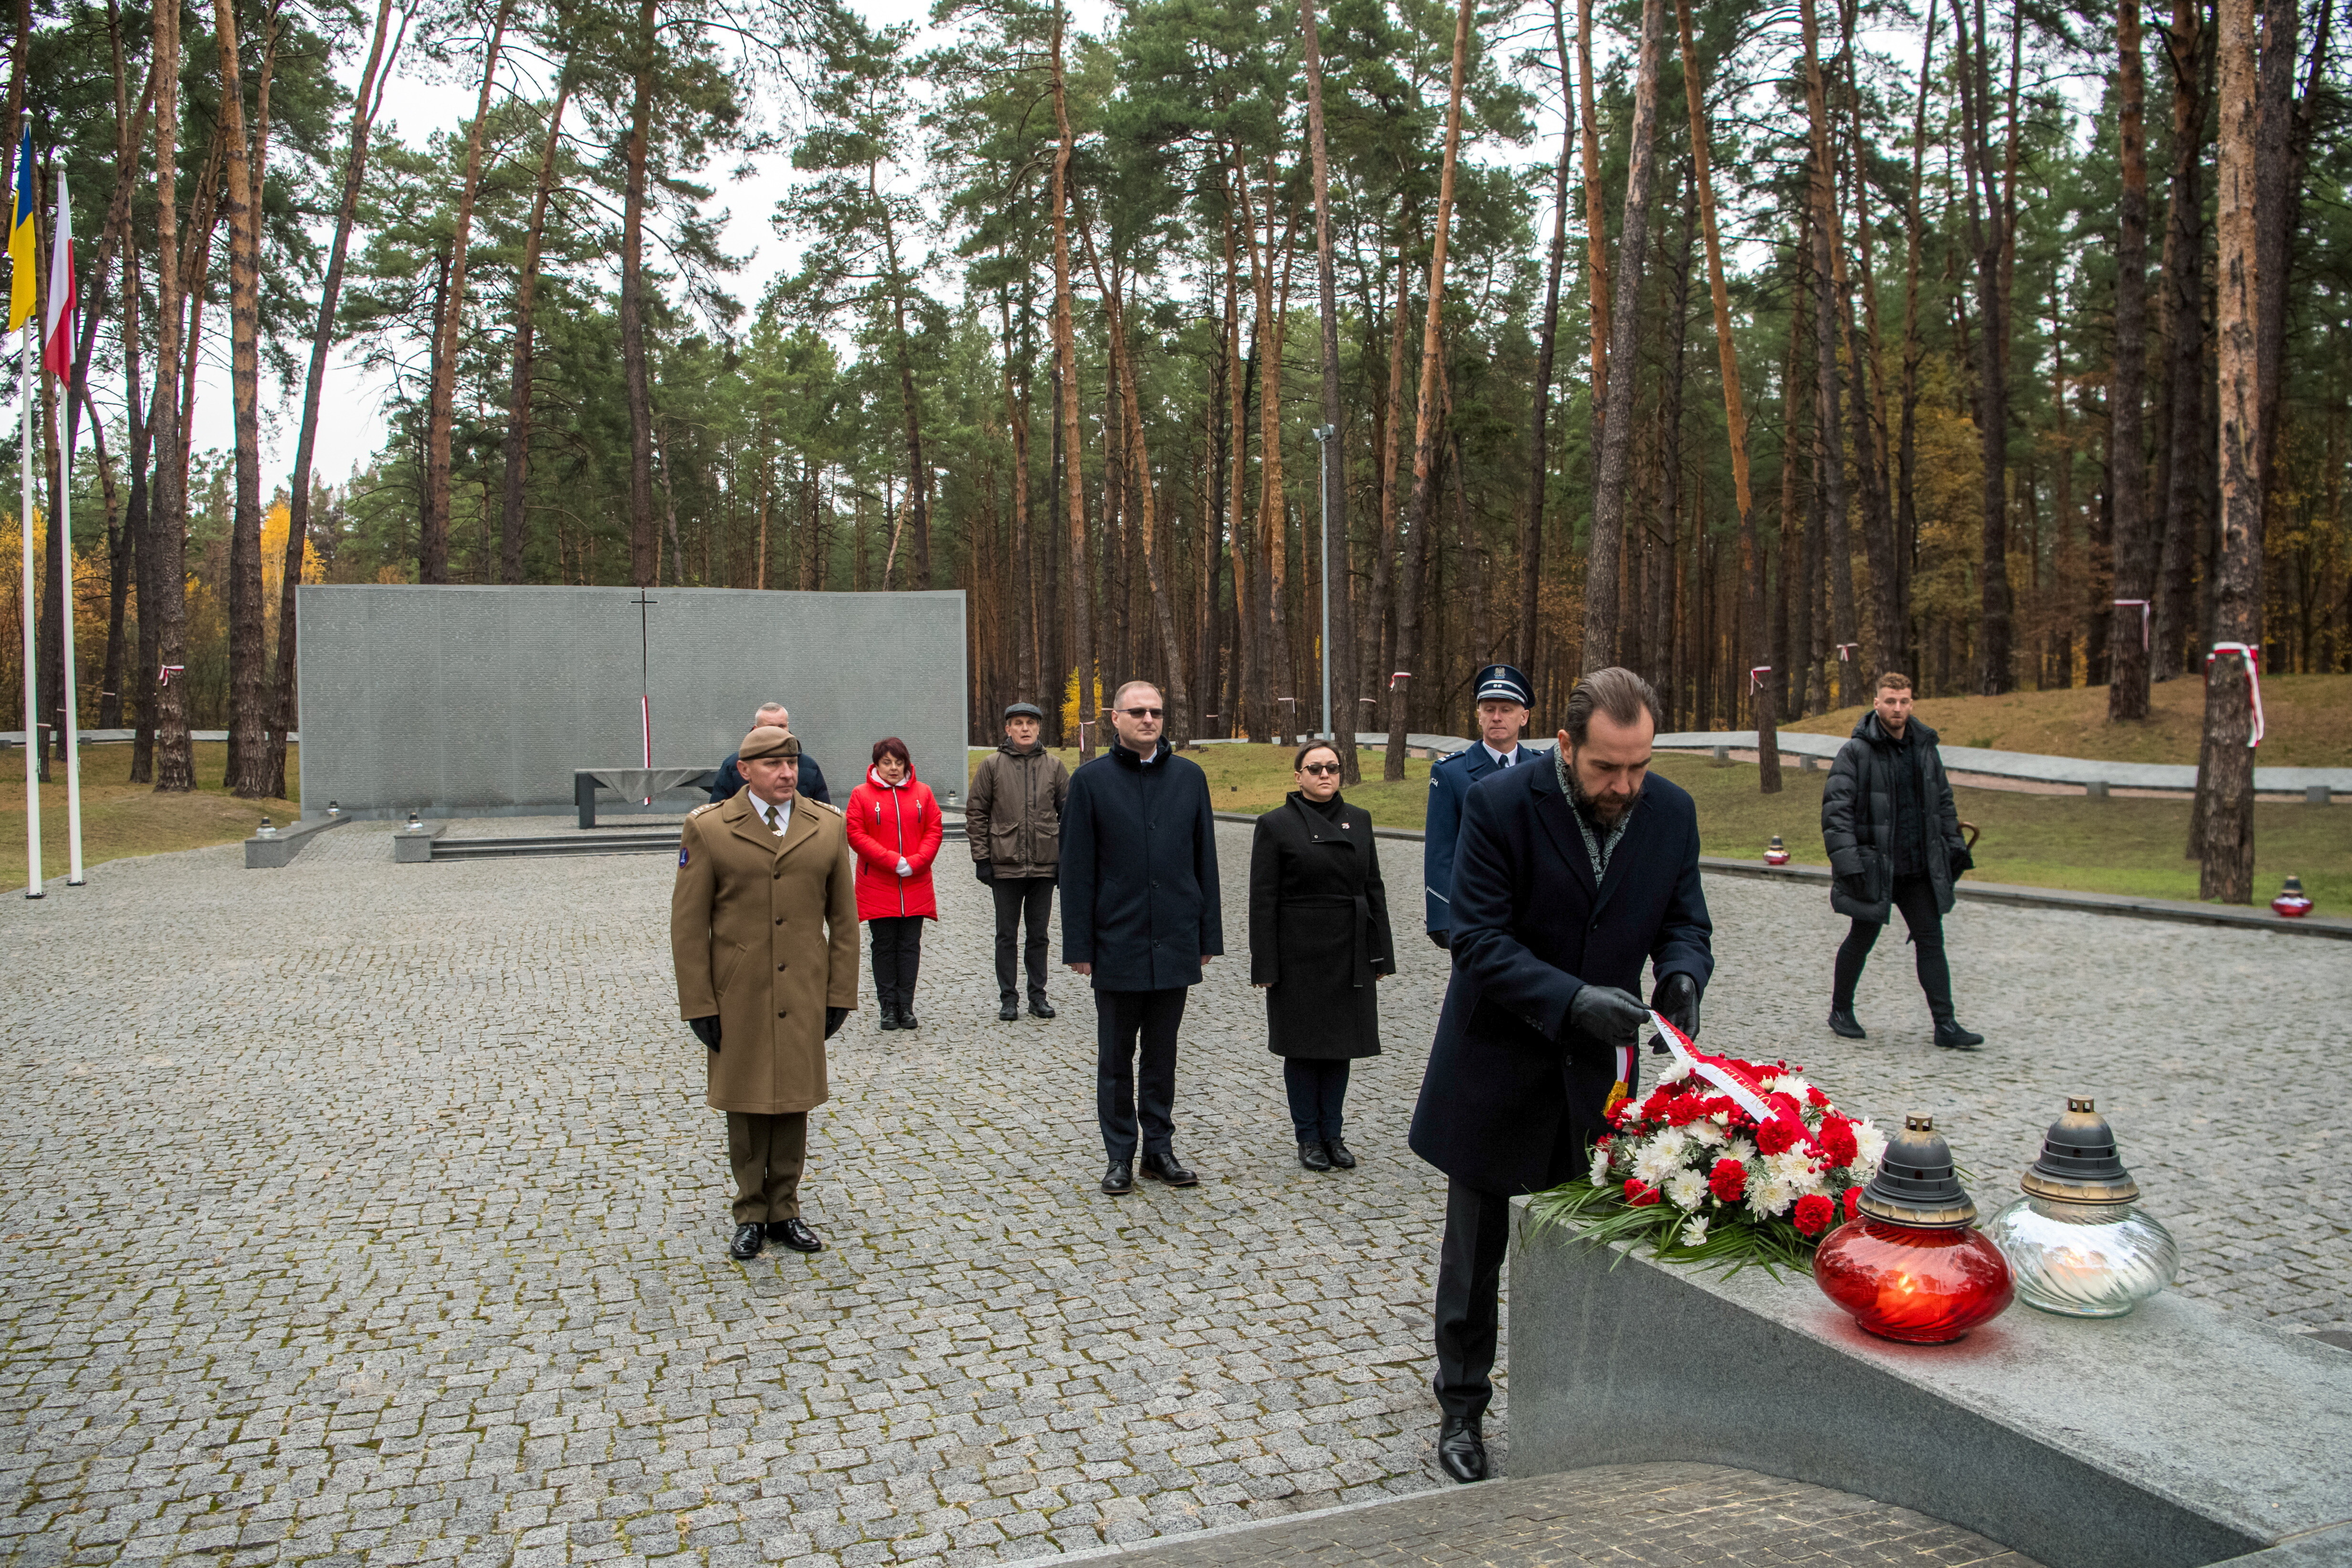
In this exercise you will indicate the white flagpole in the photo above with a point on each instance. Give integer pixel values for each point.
(65, 582)
(32, 699)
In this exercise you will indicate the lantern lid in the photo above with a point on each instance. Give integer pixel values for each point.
(2079, 1164)
(2294, 883)
(1915, 1184)
(1777, 843)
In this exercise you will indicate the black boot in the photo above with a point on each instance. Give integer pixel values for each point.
(887, 1011)
(1842, 1023)
(1952, 1038)
(906, 1010)
(1008, 1010)
(1313, 1155)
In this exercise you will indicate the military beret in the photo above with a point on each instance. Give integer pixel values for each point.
(767, 741)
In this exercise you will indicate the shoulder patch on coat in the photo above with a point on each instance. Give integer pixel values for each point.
(821, 806)
(706, 806)
(681, 854)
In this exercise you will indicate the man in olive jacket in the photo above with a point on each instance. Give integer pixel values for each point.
(1014, 817)
(763, 932)
(1894, 840)
(1140, 917)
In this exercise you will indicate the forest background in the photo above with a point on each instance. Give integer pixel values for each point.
(1649, 332)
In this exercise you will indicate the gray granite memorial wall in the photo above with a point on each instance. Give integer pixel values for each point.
(483, 700)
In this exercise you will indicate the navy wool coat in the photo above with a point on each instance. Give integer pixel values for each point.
(1512, 1097)
(1139, 871)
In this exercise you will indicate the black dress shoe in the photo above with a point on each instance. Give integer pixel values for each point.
(1313, 1157)
(1008, 1011)
(746, 1245)
(888, 1014)
(1119, 1179)
(1952, 1038)
(907, 1016)
(1164, 1168)
(1462, 1449)
(1340, 1157)
(1040, 1009)
(795, 1234)
(1842, 1022)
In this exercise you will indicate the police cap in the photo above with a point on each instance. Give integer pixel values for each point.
(1505, 683)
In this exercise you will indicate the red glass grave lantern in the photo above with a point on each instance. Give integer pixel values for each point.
(2292, 902)
(1912, 1265)
(1776, 853)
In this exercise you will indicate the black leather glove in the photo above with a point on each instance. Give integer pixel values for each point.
(983, 871)
(1676, 996)
(834, 1018)
(1442, 938)
(1606, 1015)
(705, 1030)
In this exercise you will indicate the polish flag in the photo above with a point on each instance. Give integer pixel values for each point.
(58, 321)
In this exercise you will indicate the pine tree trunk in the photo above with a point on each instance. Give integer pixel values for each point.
(1079, 589)
(1419, 518)
(1380, 674)
(2183, 444)
(1601, 585)
(1986, 226)
(1340, 650)
(511, 515)
(167, 527)
(2225, 784)
(643, 547)
(1829, 439)
(1531, 518)
(1596, 216)
(1761, 684)
(2132, 575)
(1907, 510)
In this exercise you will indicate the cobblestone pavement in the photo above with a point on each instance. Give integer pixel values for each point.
(1622, 1516)
(362, 1211)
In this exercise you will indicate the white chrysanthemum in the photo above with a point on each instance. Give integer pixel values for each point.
(1708, 1133)
(1793, 1167)
(1656, 1162)
(1870, 1143)
(1771, 1197)
(1694, 1230)
(1675, 1074)
(1686, 1188)
(1789, 1084)
(1739, 1148)
(1601, 1173)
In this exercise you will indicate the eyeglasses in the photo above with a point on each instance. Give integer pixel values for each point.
(1143, 713)
(1320, 769)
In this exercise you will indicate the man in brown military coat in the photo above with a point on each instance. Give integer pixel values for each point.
(763, 932)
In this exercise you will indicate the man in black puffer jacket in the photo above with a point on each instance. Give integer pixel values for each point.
(1894, 841)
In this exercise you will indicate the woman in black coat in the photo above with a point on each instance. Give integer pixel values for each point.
(1319, 942)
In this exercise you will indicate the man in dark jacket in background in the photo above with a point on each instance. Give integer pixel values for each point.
(1569, 875)
(1013, 818)
(730, 781)
(1140, 917)
(1893, 838)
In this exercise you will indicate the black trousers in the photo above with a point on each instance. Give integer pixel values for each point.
(1469, 1297)
(1128, 1024)
(898, 944)
(1022, 901)
(1319, 1093)
(1916, 897)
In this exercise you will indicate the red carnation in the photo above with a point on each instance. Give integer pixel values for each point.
(1728, 1181)
(1779, 1135)
(1639, 1194)
(1816, 1099)
(1813, 1214)
(1853, 1202)
(1836, 1141)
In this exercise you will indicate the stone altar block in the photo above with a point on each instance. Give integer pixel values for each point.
(2177, 1436)
(480, 701)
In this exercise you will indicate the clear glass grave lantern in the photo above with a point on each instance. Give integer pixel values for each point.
(415, 823)
(2076, 1241)
(1913, 1267)
(266, 830)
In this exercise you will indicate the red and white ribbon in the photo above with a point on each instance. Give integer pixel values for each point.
(2143, 618)
(2254, 681)
(163, 675)
(1845, 651)
(1755, 678)
(1744, 1090)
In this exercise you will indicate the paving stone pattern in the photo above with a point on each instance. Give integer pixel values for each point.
(356, 1211)
(1623, 1516)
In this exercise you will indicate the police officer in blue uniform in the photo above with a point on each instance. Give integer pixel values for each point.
(1505, 695)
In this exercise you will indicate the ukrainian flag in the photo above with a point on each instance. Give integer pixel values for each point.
(23, 286)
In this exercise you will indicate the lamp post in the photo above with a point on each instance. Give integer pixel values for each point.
(1324, 435)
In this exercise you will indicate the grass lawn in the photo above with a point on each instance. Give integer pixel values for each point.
(2036, 840)
(119, 818)
(2307, 720)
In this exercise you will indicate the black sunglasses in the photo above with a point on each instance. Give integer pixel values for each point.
(1143, 713)
(1320, 768)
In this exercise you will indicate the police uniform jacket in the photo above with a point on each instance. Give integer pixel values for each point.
(1512, 1096)
(1449, 786)
(763, 932)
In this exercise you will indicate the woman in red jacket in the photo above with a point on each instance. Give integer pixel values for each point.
(894, 830)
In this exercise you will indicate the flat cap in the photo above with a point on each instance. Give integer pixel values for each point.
(1025, 711)
(767, 741)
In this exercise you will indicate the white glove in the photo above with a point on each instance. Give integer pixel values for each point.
(905, 870)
